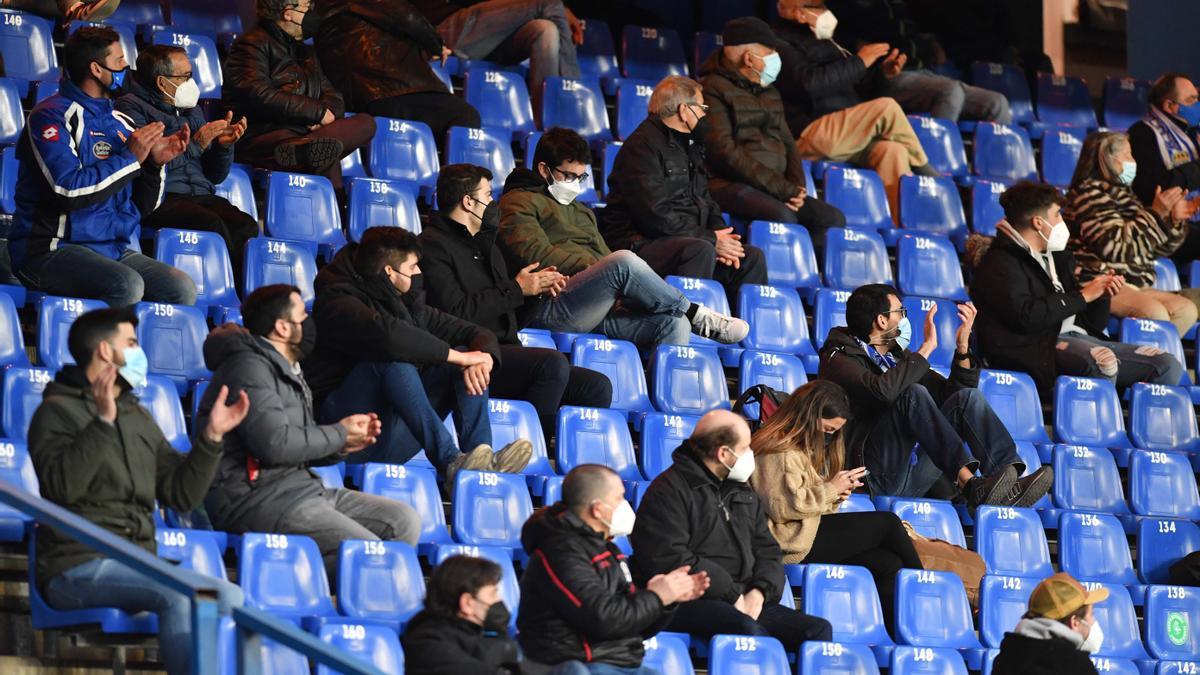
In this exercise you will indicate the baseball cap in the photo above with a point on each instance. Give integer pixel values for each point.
(747, 30)
(1060, 595)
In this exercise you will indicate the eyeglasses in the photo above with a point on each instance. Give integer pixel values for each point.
(903, 312)
(701, 106)
(569, 177)
(1193, 100)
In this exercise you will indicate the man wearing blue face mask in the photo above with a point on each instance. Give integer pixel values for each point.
(898, 402)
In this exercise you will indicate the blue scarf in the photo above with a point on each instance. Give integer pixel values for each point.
(1174, 144)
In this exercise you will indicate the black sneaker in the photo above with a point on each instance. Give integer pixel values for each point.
(310, 154)
(995, 490)
(1028, 490)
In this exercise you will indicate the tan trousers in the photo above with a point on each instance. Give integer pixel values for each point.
(875, 134)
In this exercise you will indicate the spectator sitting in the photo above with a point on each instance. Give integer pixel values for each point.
(799, 453)
(296, 115)
(659, 205)
(65, 11)
(1036, 317)
(468, 278)
(162, 90)
(264, 483)
(578, 601)
(757, 171)
(100, 455)
(382, 348)
(1166, 151)
(1112, 232)
(381, 49)
(1057, 634)
(701, 514)
(897, 401)
(616, 294)
(84, 180)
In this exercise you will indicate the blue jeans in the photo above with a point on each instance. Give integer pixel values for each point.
(621, 297)
(411, 403)
(79, 272)
(920, 91)
(104, 582)
(1074, 357)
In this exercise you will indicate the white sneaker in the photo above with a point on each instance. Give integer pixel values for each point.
(720, 327)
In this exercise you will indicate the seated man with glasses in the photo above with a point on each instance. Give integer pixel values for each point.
(908, 423)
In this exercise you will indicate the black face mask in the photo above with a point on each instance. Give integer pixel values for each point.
(308, 338)
(829, 438)
(310, 24)
(497, 618)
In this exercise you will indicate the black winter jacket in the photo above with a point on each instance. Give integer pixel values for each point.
(578, 600)
(689, 517)
(1023, 655)
(1020, 313)
(196, 171)
(659, 188)
(366, 319)
(818, 77)
(275, 82)
(1152, 171)
(435, 645)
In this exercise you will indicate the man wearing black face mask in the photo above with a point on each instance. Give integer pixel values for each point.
(296, 114)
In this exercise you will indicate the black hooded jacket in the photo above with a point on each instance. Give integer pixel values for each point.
(435, 645)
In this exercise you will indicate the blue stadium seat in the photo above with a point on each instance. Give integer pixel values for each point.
(481, 147)
(1003, 153)
(128, 41)
(381, 202)
(777, 322)
(620, 361)
(1087, 411)
(928, 266)
(829, 311)
(202, 52)
(204, 258)
(1161, 543)
(1116, 614)
(782, 372)
(845, 595)
(283, 574)
(376, 645)
(417, 487)
(43, 89)
(633, 100)
(8, 179)
(1160, 334)
(1165, 667)
(55, 316)
(23, 388)
(1162, 418)
(1092, 547)
(304, 208)
(1012, 542)
(860, 195)
(943, 144)
(1087, 480)
(985, 206)
(688, 380)
(140, 12)
(510, 584)
(575, 104)
(274, 261)
(379, 581)
(791, 259)
(608, 155)
(1014, 398)
(1166, 275)
(27, 45)
(536, 338)
(1160, 484)
(652, 53)
(854, 258)
(668, 653)
(932, 611)
(589, 195)
(12, 119)
(947, 323)
(404, 150)
(931, 518)
(597, 55)
(331, 476)
(443, 73)
(160, 398)
(215, 18)
(352, 166)
(1124, 101)
(237, 190)
(738, 654)
(1002, 600)
(1064, 99)
(704, 43)
(490, 508)
(17, 469)
(1172, 613)
(1010, 81)
(931, 204)
(12, 341)
(1060, 151)
(836, 658)
(702, 292)
(501, 98)
(195, 550)
(926, 661)
(661, 435)
(173, 337)
(595, 436)
(511, 420)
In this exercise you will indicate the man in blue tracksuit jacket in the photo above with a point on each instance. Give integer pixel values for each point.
(86, 176)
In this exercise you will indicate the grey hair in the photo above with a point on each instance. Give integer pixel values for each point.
(671, 93)
(155, 61)
(1096, 157)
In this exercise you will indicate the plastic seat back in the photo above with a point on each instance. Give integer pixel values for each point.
(942, 143)
(415, 486)
(1014, 398)
(1122, 638)
(55, 316)
(985, 206)
(203, 257)
(536, 338)
(237, 190)
(173, 337)
(946, 320)
(195, 550)
(12, 119)
(633, 100)
(283, 574)
(652, 53)
(12, 341)
(1064, 99)
(931, 204)
(275, 261)
(1162, 484)
(1161, 542)
(1011, 542)
(620, 362)
(931, 518)
(595, 436)
(927, 661)
(1092, 547)
(1086, 479)
(1010, 81)
(490, 508)
(501, 98)
(209, 17)
(139, 12)
(932, 610)
(1087, 411)
(598, 54)
(126, 31)
(1124, 101)
(688, 380)
(160, 398)
(510, 584)
(860, 195)
(782, 372)
(661, 435)
(27, 45)
(836, 658)
(202, 52)
(668, 653)
(1060, 152)
(575, 104)
(481, 147)
(16, 467)
(738, 654)
(1003, 601)
(9, 167)
(375, 202)
(845, 595)
(375, 645)
(829, 312)
(704, 44)
(855, 258)
(1166, 275)
(403, 150)
(379, 580)
(23, 389)
(1003, 153)
(303, 208)
(702, 292)
(791, 258)
(1152, 333)
(512, 420)
(776, 318)
(1172, 612)
(929, 267)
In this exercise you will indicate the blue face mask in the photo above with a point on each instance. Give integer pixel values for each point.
(905, 336)
(772, 64)
(1191, 113)
(135, 368)
(118, 77)
(1128, 172)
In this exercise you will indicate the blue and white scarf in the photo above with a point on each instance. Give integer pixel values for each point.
(1174, 143)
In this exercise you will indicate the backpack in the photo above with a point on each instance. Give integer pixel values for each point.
(768, 401)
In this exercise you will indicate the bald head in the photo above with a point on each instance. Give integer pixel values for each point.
(717, 429)
(588, 483)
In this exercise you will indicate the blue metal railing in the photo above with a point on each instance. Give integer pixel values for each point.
(252, 624)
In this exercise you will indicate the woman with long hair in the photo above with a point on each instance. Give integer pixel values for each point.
(799, 455)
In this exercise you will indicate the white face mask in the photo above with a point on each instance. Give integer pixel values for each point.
(565, 192)
(187, 95)
(824, 26)
(1059, 236)
(1094, 639)
(622, 522)
(742, 468)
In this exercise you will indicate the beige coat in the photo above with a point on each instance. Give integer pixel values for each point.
(795, 498)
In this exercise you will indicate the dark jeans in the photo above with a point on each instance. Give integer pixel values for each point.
(210, 213)
(706, 618)
(439, 109)
(916, 418)
(749, 203)
(411, 403)
(354, 132)
(692, 257)
(545, 378)
(77, 271)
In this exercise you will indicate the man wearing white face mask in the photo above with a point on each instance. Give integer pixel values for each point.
(1058, 632)
(163, 89)
(702, 513)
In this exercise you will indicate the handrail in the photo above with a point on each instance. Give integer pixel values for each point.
(254, 624)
